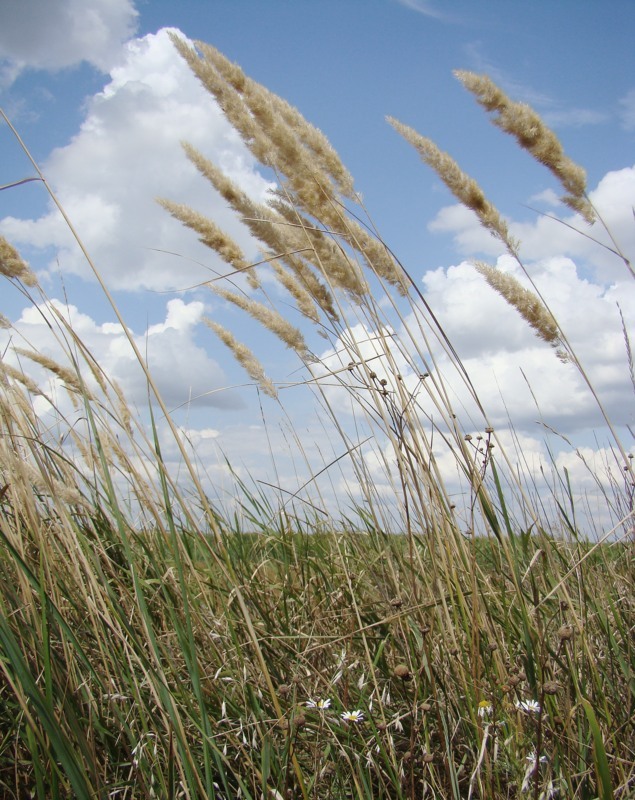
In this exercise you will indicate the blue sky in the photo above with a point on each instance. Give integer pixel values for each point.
(102, 101)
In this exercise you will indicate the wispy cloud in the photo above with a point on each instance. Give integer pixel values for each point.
(425, 7)
(627, 104)
(575, 117)
(552, 112)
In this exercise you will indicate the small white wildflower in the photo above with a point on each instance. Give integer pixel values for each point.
(528, 706)
(320, 704)
(484, 709)
(531, 758)
(353, 716)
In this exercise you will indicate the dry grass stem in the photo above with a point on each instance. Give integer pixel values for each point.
(71, 379)
(209, 233)
(271, 319)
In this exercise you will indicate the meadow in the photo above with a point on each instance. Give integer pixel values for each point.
(153, 645)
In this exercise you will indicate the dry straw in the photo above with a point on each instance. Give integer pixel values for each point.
(311, 174)
(269, 318)
(209, 233)
(67, 377)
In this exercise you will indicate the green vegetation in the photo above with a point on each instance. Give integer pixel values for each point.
(151, 647)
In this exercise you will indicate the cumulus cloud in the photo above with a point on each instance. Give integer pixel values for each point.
(127, 153)
(505, 359)
(53, 34)
(195, 380)
(592, 246)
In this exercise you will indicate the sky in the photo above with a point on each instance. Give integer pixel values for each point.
(102, 101)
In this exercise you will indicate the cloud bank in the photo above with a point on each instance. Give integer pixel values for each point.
(54, 34)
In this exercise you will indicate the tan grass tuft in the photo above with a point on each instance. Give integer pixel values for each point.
(68, 377)
(528, 305)
(531, 133)
(462, 186)
(272, 320)
(12, 265)
(245, 358)
(209, 233)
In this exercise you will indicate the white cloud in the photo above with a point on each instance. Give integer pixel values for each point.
(53, 34)
(182, 370)
(425, 7)
(127, 153)
(614, 197)
(504, 358)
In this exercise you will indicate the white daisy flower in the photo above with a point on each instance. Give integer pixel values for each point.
(484, 709)
(528, 706)
(353, 716)
(320, 704)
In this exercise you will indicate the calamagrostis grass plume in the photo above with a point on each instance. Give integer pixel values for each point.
(269, 137)
(266, 225)
(245, 357)
(258, 97)
(65, 375)
(325, 253)
(304, 301)
(528, 305)
(12, 265)
(262, 222)
(209, 233)
(7, 371)
(280, 137)
(271, 319)
(462, 186)
(531, 133)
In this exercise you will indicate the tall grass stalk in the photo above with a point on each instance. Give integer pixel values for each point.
(407, 646)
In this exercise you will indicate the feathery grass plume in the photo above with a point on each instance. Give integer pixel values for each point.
(244, 356)
(7, 371)
(65, 375)
(266, 225)
(5, 322)
(12, 265)
(318, 290)
(271, 319)
(262, 222)
(528, 305)
(271, 140)
(209, 233)
(325, 251)
(531, 133)
(277, 135)
(304, 301)
(462, 186)
(257, 96)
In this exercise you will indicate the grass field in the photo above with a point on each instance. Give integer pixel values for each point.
(152, 646)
